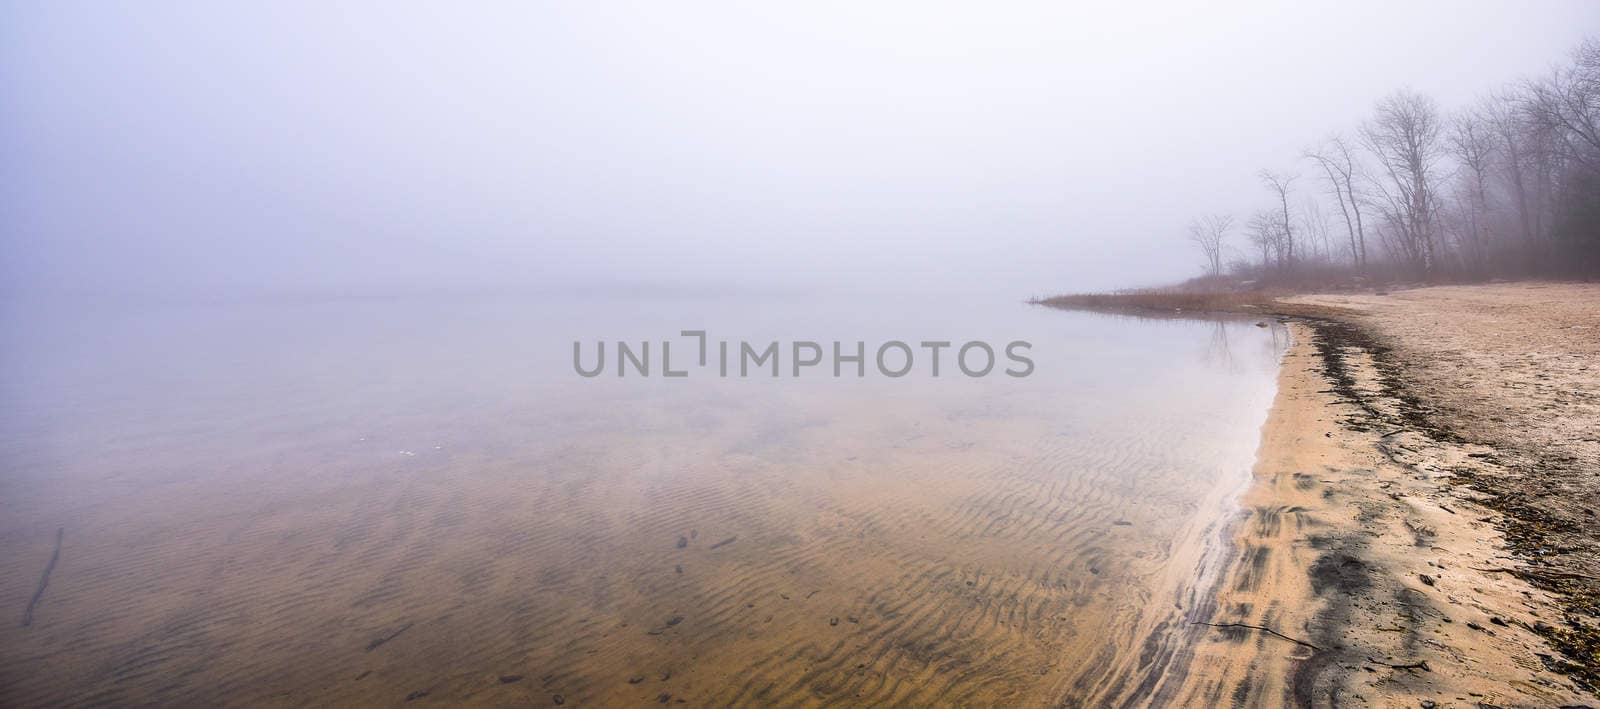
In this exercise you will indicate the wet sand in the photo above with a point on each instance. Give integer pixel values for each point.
(933, 570)
(1396, 547)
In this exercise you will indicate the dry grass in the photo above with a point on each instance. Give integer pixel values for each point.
(1159, 300)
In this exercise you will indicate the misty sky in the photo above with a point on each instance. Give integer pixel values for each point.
(1020, 148)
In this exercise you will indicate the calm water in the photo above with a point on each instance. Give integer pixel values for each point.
(370, 501)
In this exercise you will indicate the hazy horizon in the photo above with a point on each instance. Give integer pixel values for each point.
(156, 148)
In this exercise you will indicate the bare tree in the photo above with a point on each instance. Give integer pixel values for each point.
(1511, 135)
(1279, 184)
(1339, 166)
(1315, 228)
(1209, 233)
(1471, 143)
(1565, 107)
(1266, 233)
(1508, 187)
(1405, 137)
(1569, 104)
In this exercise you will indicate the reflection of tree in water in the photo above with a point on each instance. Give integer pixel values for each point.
(1219, 348)
(1280, 339)
(1225, 329)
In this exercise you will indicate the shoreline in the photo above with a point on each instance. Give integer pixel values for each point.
(1359, 568)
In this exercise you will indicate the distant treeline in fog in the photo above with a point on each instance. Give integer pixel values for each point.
(1508, 187)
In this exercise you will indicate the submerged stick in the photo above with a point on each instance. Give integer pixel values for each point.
(1261, 628)
(44, 579)
(380, 641)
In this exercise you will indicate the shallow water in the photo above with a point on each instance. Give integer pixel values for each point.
(370, 501)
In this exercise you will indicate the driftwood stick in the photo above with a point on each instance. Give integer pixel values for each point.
(44, 579)
(1423, 665)
(1261, 628)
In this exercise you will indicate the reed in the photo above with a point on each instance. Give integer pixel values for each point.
(1166, 300)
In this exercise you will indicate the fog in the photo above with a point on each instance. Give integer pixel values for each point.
(177, 148)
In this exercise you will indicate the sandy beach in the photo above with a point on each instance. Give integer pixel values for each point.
(1419, 531)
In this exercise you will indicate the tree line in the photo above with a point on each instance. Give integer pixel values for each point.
(1508, 187)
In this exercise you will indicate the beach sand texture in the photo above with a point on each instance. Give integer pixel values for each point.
(1419, 523)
